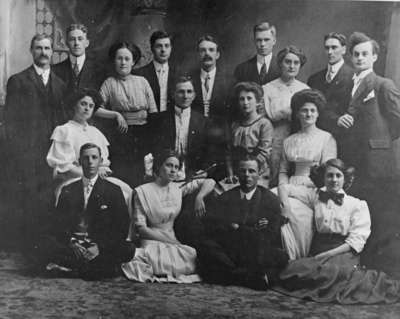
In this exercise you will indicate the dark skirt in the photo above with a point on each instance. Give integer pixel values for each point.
(340, 279)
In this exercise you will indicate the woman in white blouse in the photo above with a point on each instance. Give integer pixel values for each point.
(277, 96)
(67, 139)
(129, 100)
(342, 226)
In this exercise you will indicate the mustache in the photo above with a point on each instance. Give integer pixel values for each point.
(207, 58)
(44, 56)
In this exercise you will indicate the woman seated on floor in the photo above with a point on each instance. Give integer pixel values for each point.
(342, 226)
(161, 257)
(67, 140)
(252, 131)
(307, 146)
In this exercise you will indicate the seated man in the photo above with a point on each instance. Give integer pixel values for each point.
(88, 238)
(241, 241)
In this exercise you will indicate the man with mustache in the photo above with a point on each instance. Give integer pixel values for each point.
(78, 70)
(263, 67)
(33, 109)
(211, 88)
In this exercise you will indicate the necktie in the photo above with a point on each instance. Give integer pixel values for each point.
(89, 187)
(76, 69)
(43, 80)
(263, 74)
(329, 75)
(207, 82)
(336, 197)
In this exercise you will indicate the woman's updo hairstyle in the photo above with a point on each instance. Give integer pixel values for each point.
(78, 94)
(317, 173)
(161, 157)
(133, 48)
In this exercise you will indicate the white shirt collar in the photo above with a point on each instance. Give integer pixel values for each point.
(158, 66)
(41, 71)
(203, 73)
(267, 59)
(339, 192)
(362, 74)
(80, 60)
(335, 67)
(182, 112)
(248, 195)
(86, 180)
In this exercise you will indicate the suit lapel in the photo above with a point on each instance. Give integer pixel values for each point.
(254, 70)
(366, 86)
(97, 193)
(216, 89)
(192, 129)
(34, 77)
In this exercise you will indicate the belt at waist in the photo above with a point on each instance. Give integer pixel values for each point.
(135, 117)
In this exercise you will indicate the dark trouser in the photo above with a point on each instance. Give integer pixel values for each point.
(50, 250)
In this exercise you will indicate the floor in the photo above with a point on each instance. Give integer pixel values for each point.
(24, 295)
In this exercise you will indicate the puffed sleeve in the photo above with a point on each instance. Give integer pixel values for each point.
(265, 141)
(103, 143)
(139, 215)
(360, 227)
(151, 103)
(61, 156)
(105, 92)
(329, 150)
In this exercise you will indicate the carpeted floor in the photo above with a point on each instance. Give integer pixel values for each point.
(27, 296)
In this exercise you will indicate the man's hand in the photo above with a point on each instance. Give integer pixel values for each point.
(79, 251)
(345, 121)
(323, 257)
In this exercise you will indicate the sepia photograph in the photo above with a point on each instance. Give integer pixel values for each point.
(200, 159)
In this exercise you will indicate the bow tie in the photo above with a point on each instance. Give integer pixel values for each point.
(336, 197)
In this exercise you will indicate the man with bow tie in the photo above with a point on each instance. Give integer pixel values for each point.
(88, 237)
(241, 241)
(335, 82)
(33, 109)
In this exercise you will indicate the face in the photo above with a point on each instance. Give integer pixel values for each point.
(184, 94)
(123, 61)
(248, 174)
(90, 160)
(333, 179)
(84, 109)
(290, 66)
(363, 57)
(247, 102)
(169, 169)
(77, 42)
(264, 41)
(162, 50)
(308, 114)
(334, 50)
(41, 52)
(209, 54)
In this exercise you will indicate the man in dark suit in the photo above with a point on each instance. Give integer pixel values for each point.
(263, 67)
(209, 81)
(159, 73)
(88, 237)
(335, 82)
(241, 241)
(78, 70)
(33, 109)
(370, 124)
(184, 129)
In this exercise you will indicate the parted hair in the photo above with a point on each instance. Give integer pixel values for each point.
(264, 26)
(78, 94)
(156, 35)
(249, 87)
(133, 48)
(359, 37)
(76, 26)
(87, 146)
(209, 38)
(39, 37)
(335, 35)
(317, 172)
(294, 50)
(161, 156)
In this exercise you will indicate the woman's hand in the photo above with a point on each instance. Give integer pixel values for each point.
(323, 257)
(122, 125)
(104, 171)
(199, 206)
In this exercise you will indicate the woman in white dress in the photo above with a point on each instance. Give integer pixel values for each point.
(277, 95)
(161, 257)
(307, 147)
(67, 139)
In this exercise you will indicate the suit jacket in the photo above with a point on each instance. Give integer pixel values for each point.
(219, 97)
(89, 77)
(247, 71)
(32, 111)
(196, 157)
(368, 145)
(337, 94)
(106, 213)
(149, 73)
